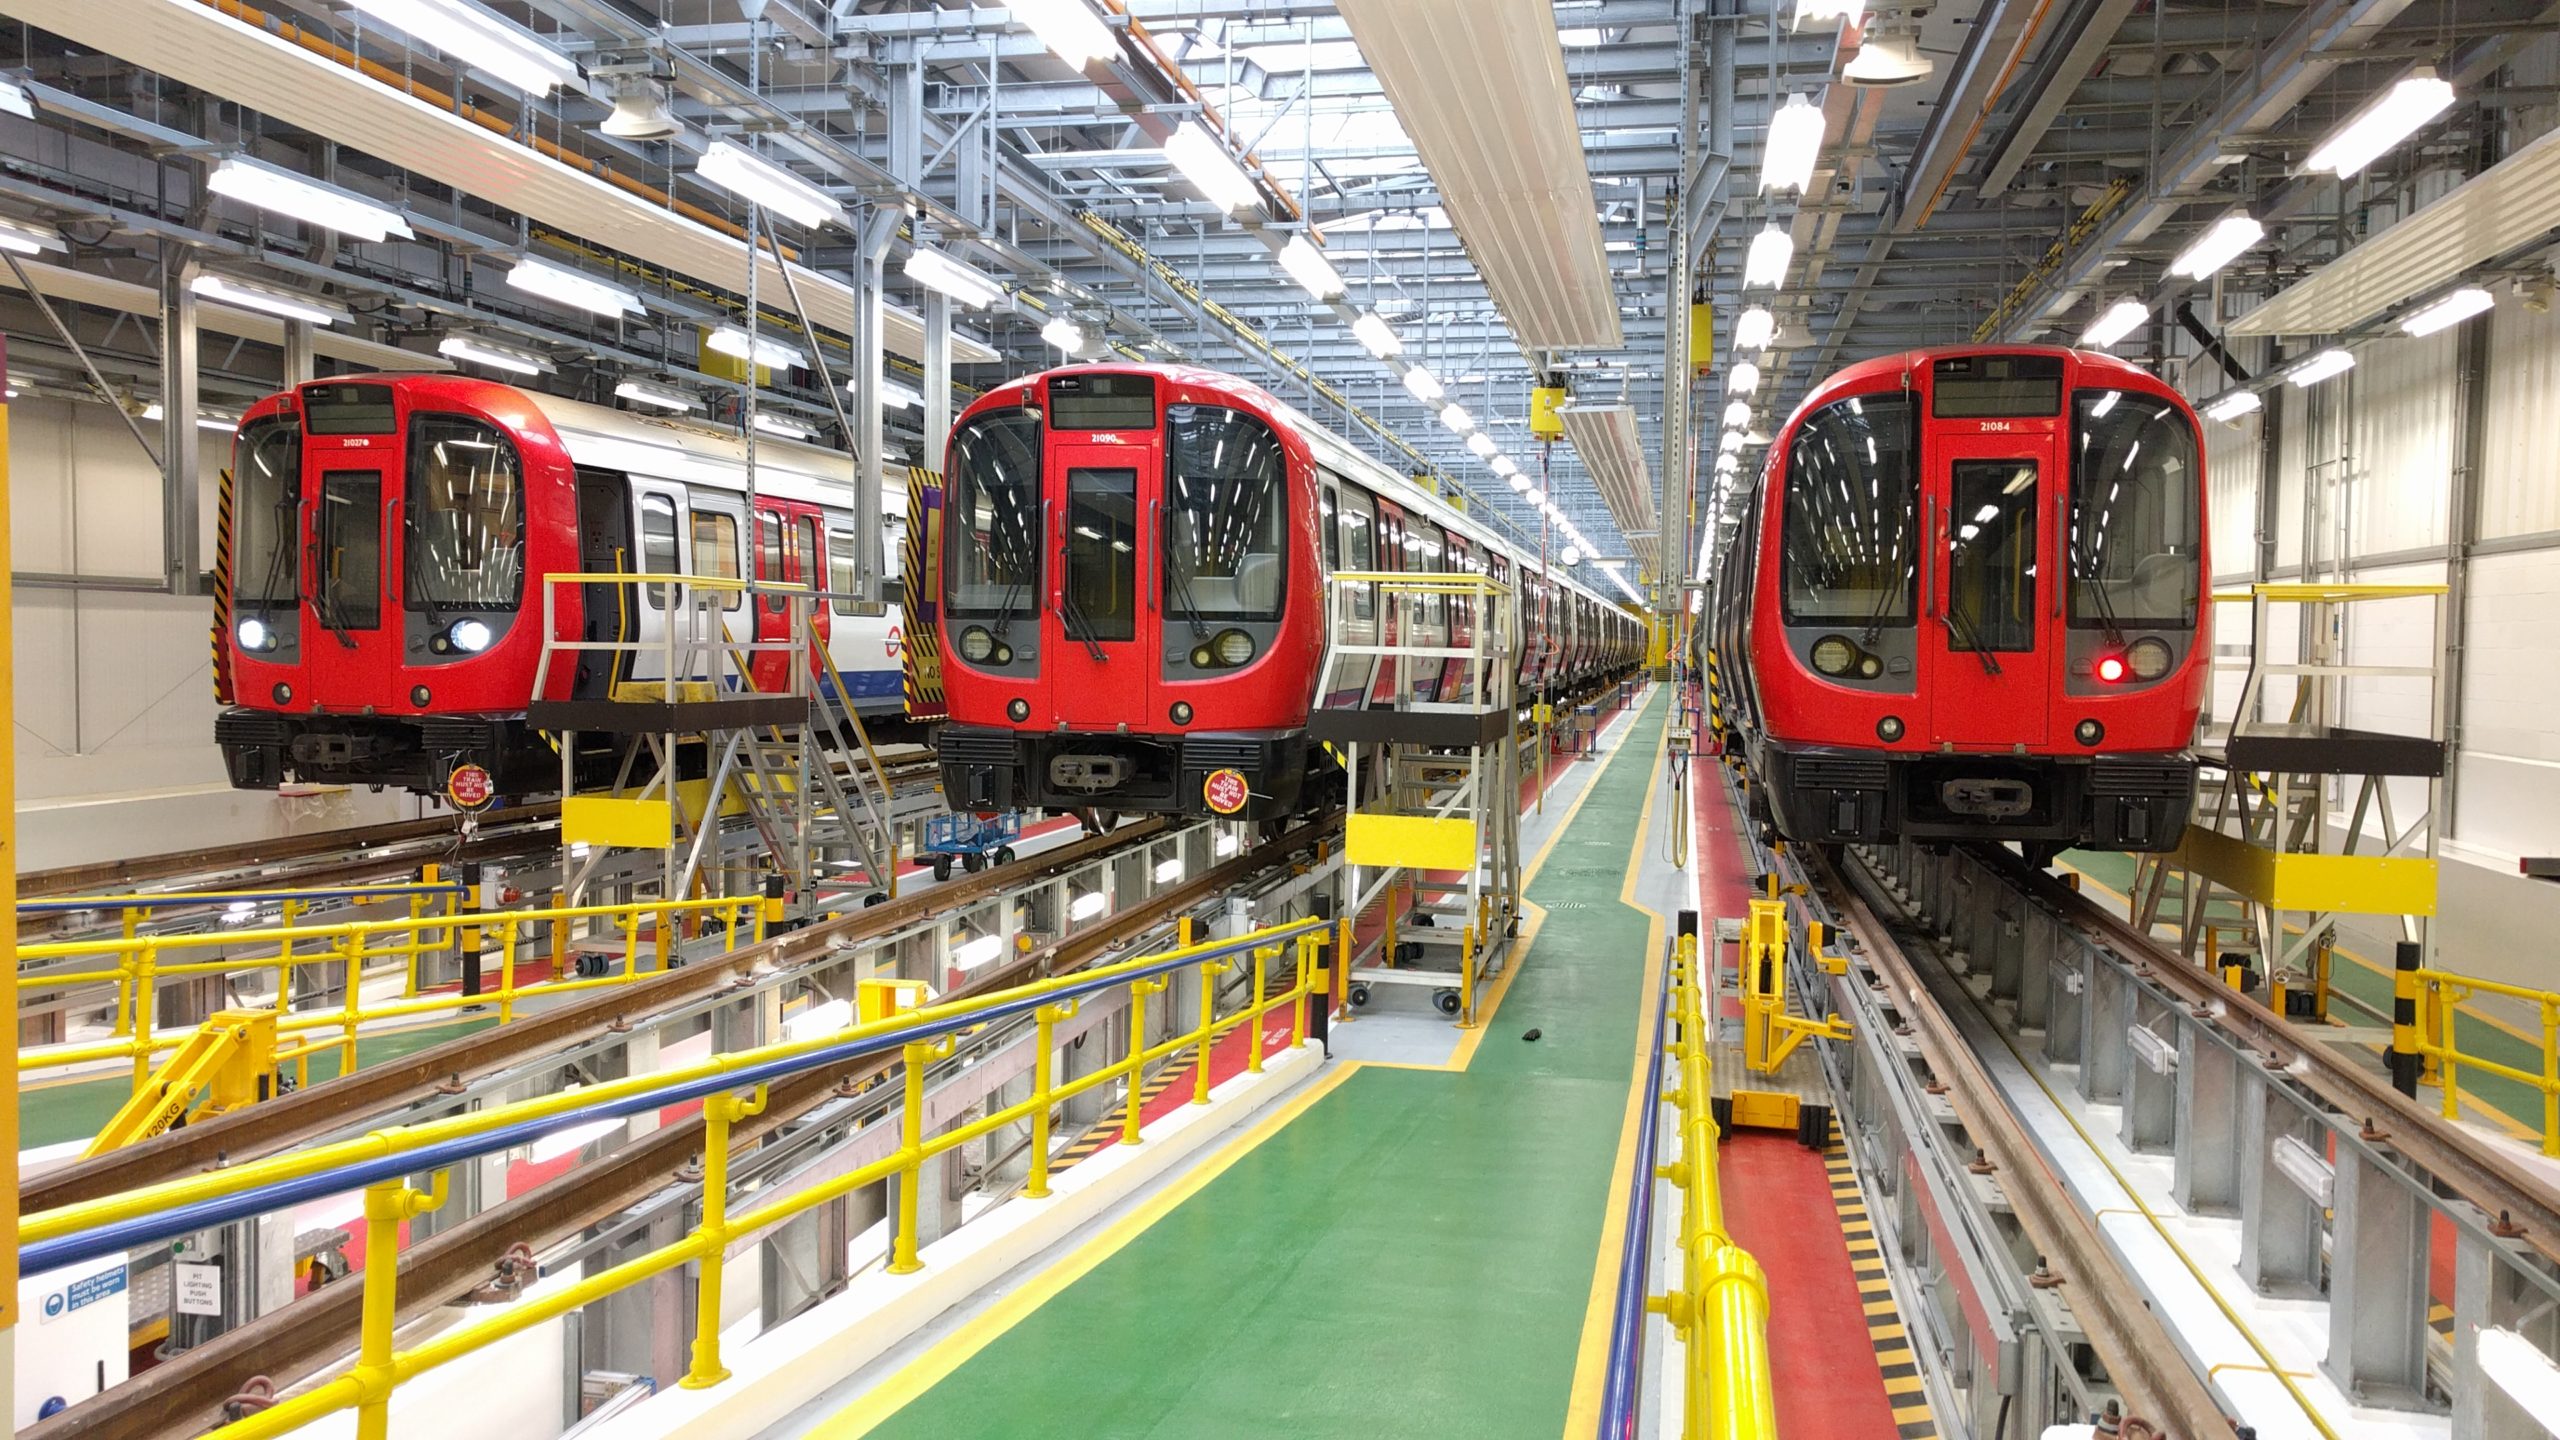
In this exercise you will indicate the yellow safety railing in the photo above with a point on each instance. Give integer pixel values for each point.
(138, 964)
(1721, 1309)
(381, 1367)
(2431, 1037)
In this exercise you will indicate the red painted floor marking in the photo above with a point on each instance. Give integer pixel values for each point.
(1226, 1061)
(1821, 1361)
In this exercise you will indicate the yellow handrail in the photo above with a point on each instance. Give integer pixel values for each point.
(2437, 1041)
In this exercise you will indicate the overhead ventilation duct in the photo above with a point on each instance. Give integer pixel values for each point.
(1493, 120)
(197, 45)
(1606, 439)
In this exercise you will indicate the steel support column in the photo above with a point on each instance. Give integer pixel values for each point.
(2377, 1285)
(181, 562)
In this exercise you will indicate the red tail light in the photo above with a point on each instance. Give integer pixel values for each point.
(2111, 668)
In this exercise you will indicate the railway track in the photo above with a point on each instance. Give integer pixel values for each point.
(184, 1395)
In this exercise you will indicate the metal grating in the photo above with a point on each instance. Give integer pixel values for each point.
(1605, 437)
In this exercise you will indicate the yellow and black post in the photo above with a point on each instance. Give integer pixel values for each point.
(467, 937)
(2405, 1059)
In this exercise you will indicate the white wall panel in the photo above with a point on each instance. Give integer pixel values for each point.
(2401, 425)
(2508, 772)
(2520, 476)
(2234, 456)
(2292, 449)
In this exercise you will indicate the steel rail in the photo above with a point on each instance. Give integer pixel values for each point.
(259, 855)
(2141, 1358)
(291, 1120)
(184, 1396)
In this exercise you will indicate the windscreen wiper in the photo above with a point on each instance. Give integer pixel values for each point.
(1080, 629)
(409, 585)
(1875, 617)
(2105, 607)
(1190, 604)
(1961, 627)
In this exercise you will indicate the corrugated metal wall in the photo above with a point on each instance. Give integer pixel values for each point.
(2520, 474)
(2397, 474)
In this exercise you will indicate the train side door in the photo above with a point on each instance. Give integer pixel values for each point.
(1455, 678)
(1106, 573)
(1980, 616)
(771, 607)
(1394, 612)
(807, 558)
(347, 598)
(604, 546)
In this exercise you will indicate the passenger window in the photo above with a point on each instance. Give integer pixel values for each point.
(715, 551)
(1359, 553)
(769, 569)
(805, 529)
(842, 573)
(657, 546)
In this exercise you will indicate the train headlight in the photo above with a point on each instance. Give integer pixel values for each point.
(470, 636)
(1834, 655)
(419, 696)
(2112, 669)
(1181, 712)
(255, 634)
(282, 692)
(2089, 732)
(1234, 647)
(976, 645)
(2149, 658)
(1004, 654)
(1889, 729)
(1019, 710)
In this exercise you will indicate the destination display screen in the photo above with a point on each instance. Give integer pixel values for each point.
(1102, 402)
(1988, 387)
(347, 409)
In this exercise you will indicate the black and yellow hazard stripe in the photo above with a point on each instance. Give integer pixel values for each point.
(1108, 1129)
(222, 503)
(1903, 1389)
(2440, 1319)
(919, 644)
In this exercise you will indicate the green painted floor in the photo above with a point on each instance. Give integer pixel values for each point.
(52, 1114)
(1412, 1256)
(2360, 977)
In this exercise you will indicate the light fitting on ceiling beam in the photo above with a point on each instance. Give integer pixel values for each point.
(1457, 419)
(1744, 380)
(737, 344)
(2393, 116)
(1572, 556)
(1424, 385)
(1307, 265)
(1519, 482)
(2230, 405)
(1755, 329)
(1204, 160)
(2219, 245)
(1065, 334)
(1376, 337)
(753, 178)
(1888, 53)
(1793, 144)
(2327, 363)
(936, 271)
(564, 286)
(1727, 463)
(1731, 443)
(14, 99)
(895, 395)
(479, 350)
(1737, 414)
(1765, 265)
(773, 424)
(20, 238)
(478, 38)
(2452, 310)
(1069, 28)
(1853, 12)
(642, 109)
(2114, 323)
(1481, 444)
(291, 304)
(298, 197)
(1505, 465)
(662, 397)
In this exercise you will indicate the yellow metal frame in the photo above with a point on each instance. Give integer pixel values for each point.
(1720, 1313)
(381, 1367)
(230, 1059)
(2332, 884)
(2433, 1038)
(1769, 1033)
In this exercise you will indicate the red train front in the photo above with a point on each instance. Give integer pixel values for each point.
(1968, 600)
(1129, 560)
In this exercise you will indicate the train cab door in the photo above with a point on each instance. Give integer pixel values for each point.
(805, 557)
(604, 546)
(770, 607)
(349, 606)
(1096, 656)
(1981, 619)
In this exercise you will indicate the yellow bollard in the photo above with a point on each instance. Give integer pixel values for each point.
(1261, 1003)
(1133, 1068)
(719, 1113)
(1043, 1061)
(386, 1204)
(2550, 1077)
(146, 1006)
(352, 1012)
(919, 1054)
(1210, 970)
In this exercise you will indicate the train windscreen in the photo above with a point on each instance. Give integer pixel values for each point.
(992, 516)
(1224, 515)
(266, 561)
(1850, 539)
(2135, 528)
(466, 516)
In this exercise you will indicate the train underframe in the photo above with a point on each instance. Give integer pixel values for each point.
(987, 768)
(1836, 795)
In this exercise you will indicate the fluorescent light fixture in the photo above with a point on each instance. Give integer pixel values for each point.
(478, 350)
(1572, 556)
(1482, 444)
(205, 419)
(562, 285)
(1537, 498)
(821, 1019)
(2524, 1372)
(1519, 483)
(1731, 443)
(737, 344)
(14, 99)
(1065, 334)
(2114, 323)
(2452, 310)
(1728, 463)
(224, 290)
(2320, 367)
(897, 396)
(1086, 905)
(1744, 380)
(1224, 845)
(1068, 27)
(1456, 418)
(1737, 414)
(19, 238)
(1853, 12)
(2307, 1168)
(2218, 246)
(1505, 465)
(299, 197)
(751, 177)
(1795, 140)
(1204, 160)
(1424, 385)
(936, 271)
(478, 38)
(973, 953)
(1754, 329)
(1375, 336)
(2230, 405)
(2393, 116)
(1306, 265)
(1766, 262)
(1168, 871)
(772, 424)
(641, 392)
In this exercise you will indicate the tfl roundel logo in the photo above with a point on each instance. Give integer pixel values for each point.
(1225, 791)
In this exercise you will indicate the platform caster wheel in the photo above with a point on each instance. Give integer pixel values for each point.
(941, 867)
(1359, 997)
(874, 898)
(1004, 855)
(1446, 1000)
(973, 863)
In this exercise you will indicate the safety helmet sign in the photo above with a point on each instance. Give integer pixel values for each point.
(1225, 791)
(470, 786)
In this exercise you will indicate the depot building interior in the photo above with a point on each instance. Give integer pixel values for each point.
(1739, 718)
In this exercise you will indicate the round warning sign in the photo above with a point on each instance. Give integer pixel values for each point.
(1225, 791)
(470, 787)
